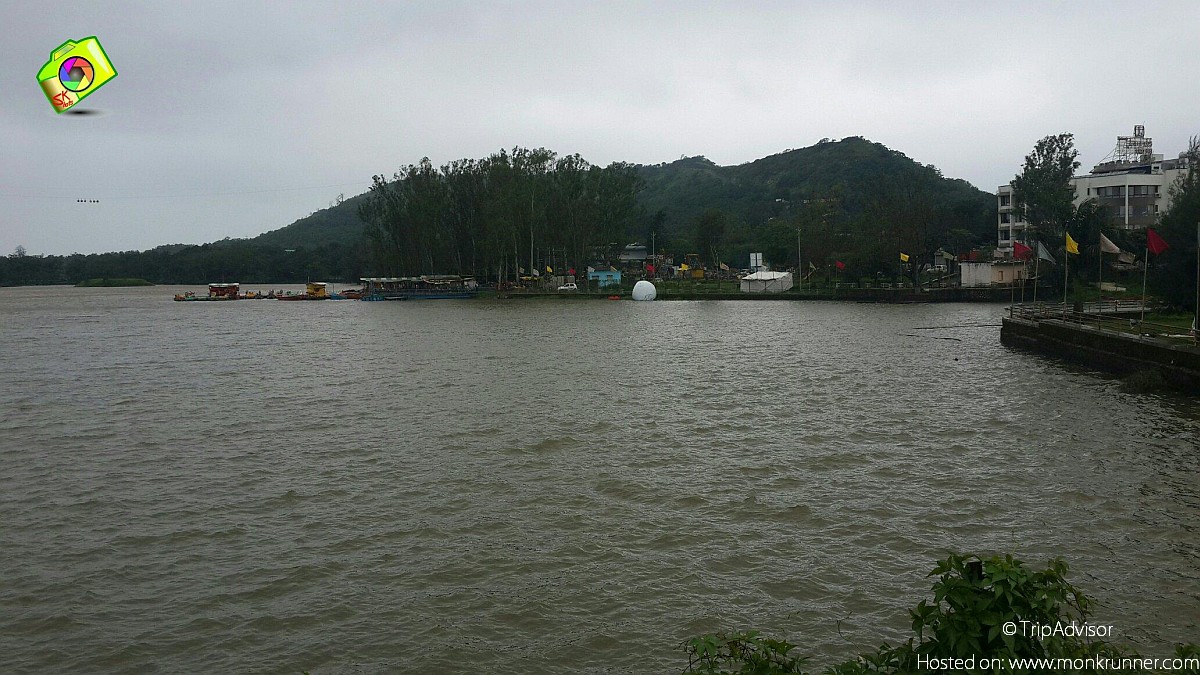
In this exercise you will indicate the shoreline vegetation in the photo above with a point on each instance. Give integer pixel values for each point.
(114, 282)
(496, 217)
(990, 614)
(866, 219)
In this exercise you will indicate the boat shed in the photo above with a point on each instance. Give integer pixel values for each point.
(767, 282)
(223, 291)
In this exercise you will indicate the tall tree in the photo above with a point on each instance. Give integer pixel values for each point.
(710, 233)
(1173, 274)
(1042, 192)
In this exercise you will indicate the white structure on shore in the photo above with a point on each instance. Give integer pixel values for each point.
(767, 282)
(996, 273)
(1131, 183)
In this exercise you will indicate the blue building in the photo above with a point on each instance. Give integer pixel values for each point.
(606, 278)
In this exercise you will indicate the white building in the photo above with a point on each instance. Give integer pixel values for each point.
(1131, 184)
(999, 272)
(767, 282)
(1009, 226)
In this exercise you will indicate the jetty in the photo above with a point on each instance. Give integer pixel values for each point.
(1109, 336)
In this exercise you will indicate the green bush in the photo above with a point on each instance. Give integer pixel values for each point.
(982, 610)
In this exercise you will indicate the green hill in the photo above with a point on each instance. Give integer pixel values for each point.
(852, 201)
(855, 172)
(858, 173)
(336, 224)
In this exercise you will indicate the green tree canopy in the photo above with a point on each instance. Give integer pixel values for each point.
(710, 234)
(1042, 192)
(1173, 273)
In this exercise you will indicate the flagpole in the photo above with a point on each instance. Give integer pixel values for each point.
(1145, 269)
(1012, 298)
(1066, 266)
(1036, 278)
(1024, 276)
(799, 260)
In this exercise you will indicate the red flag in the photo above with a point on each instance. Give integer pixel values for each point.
(840, 265)
(571, 271)
(1021, 251)
(1155, 243)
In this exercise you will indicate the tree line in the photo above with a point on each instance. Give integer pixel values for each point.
(487, 217)
(233, 261)
(853, 202)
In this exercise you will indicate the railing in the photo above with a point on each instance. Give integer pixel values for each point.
(1118, 316)
(1113, 307)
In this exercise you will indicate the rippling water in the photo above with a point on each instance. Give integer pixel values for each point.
(532, 486)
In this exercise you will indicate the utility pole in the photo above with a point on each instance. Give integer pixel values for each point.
(531, 268)
(1196, 321)
(799, 261)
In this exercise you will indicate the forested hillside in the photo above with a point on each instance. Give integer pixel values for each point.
(851, 200)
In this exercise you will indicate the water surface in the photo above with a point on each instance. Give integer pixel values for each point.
(542, 486)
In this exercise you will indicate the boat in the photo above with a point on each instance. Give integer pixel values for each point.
(220, 292)
(425, 287)
(313, 290)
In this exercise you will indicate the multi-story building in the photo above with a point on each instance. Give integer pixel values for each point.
(1010, 226)
(1132, 184)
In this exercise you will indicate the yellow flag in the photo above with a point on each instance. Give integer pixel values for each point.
(903, 257)
(1072, 246)
(549, 269)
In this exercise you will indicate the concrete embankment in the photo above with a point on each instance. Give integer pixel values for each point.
(1175, 361)
(882, 295)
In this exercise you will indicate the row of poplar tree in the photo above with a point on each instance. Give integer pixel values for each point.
(482, 217)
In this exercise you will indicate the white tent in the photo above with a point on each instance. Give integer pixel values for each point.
(767, 282)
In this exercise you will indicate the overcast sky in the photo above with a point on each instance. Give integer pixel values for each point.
(234, 118)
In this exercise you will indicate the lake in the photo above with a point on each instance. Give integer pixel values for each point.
(551, 486)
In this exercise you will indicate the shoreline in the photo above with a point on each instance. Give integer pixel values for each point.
(1087, 341)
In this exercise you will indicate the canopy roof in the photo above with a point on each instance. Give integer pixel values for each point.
(766, 276)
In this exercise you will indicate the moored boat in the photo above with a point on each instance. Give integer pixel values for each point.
(313, 290)
(215, 292)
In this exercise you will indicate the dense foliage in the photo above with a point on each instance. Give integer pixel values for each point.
(1173, 273)
(852, 201)
(233, 261)
(1042, 193)
(488, 218)
(982, 609)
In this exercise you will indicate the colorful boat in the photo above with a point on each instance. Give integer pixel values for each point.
(313, 290)
(215, 292)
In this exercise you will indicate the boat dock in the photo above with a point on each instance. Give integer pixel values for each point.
(1109, 337)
